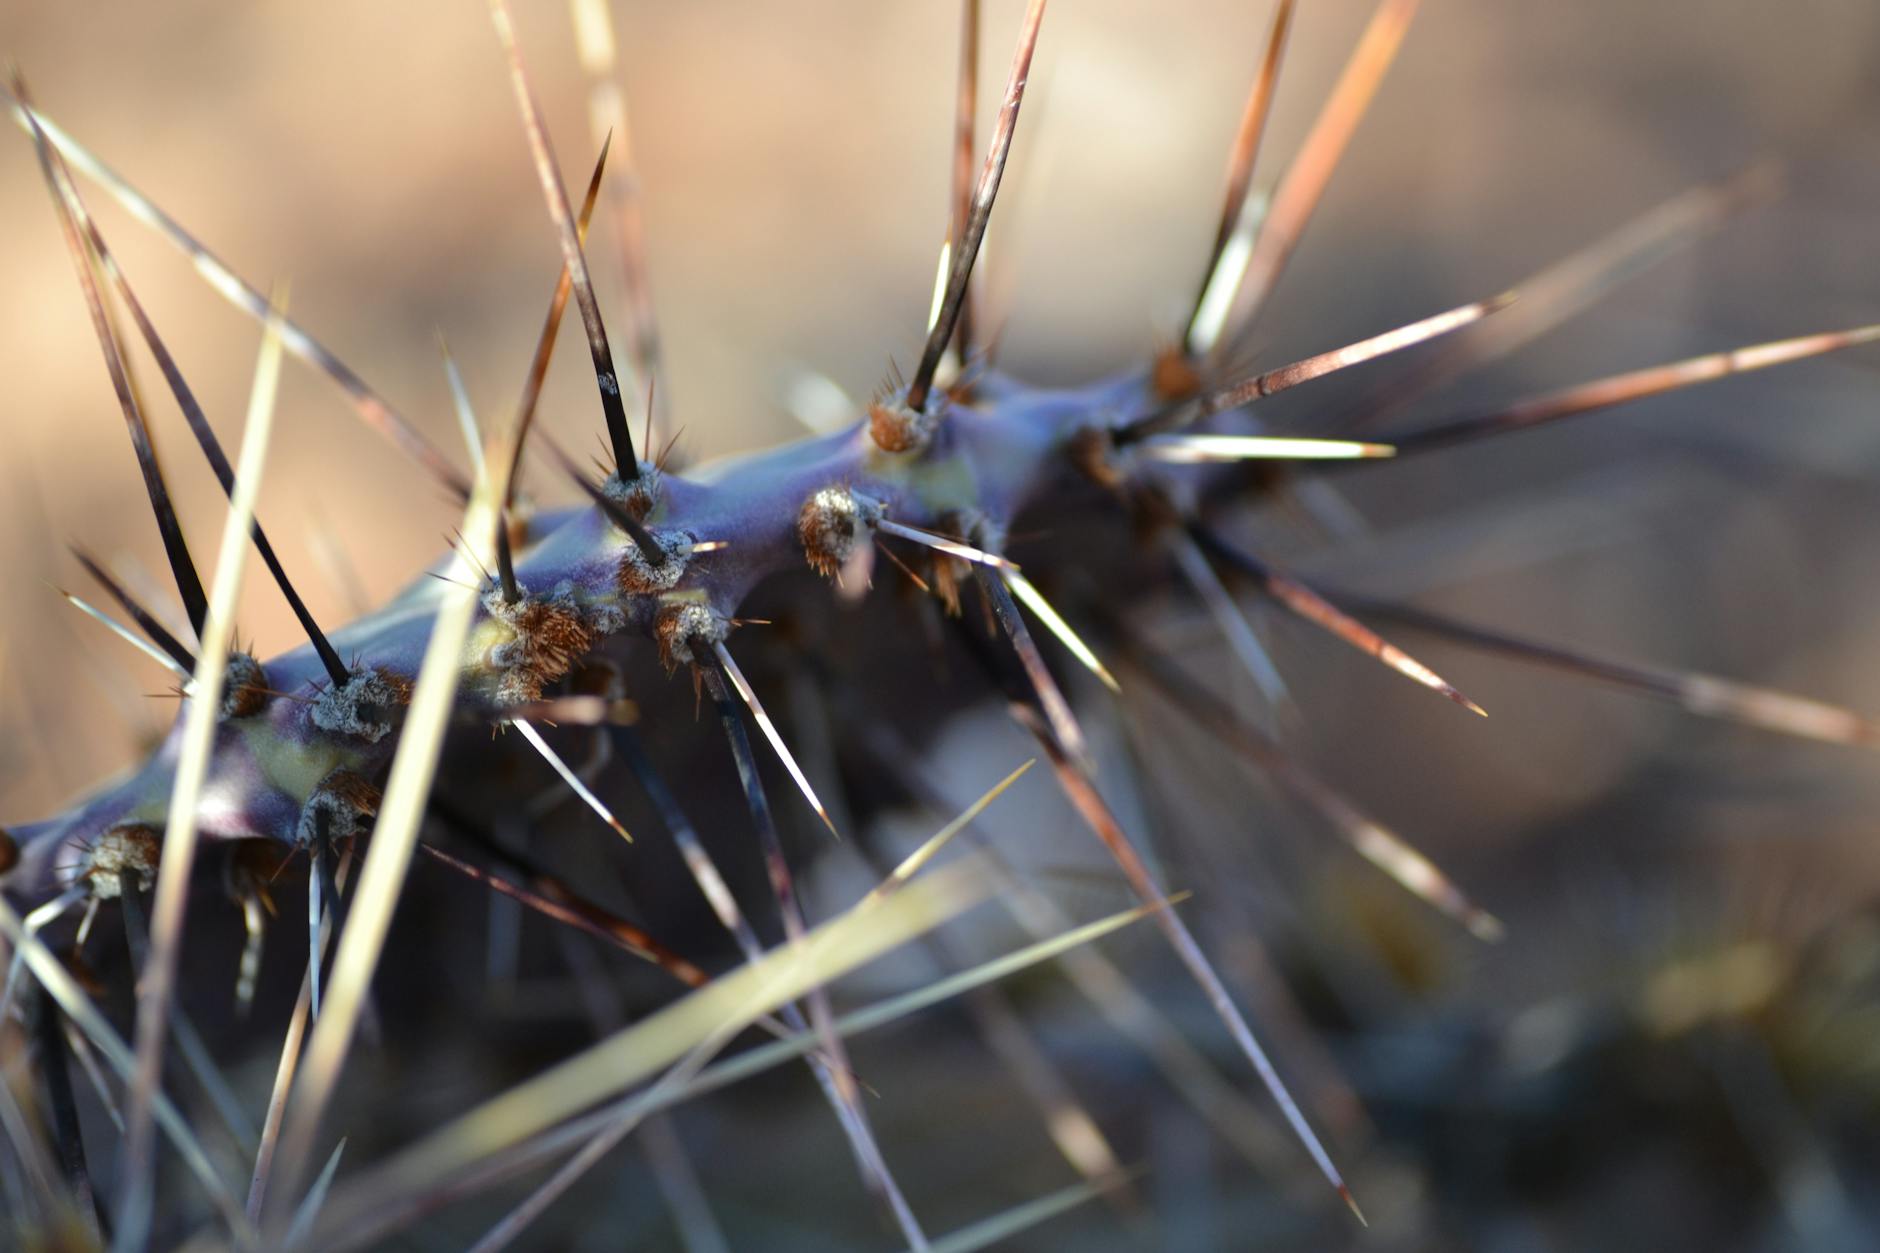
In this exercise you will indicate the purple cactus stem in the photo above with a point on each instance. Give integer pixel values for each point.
(984, 462)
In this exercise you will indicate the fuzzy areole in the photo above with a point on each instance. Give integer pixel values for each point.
(339, 809)
(639, 576)
(684, 626)
(366, 707)
(832, 523)
(244, 687)
(126, 849)
(896, 428)
(551, 634)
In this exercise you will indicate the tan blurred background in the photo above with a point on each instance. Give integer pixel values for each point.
(794, 161)
(794, 164)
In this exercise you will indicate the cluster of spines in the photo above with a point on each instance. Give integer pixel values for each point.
(1180, 403)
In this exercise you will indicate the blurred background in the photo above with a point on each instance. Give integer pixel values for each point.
(1609, 1076)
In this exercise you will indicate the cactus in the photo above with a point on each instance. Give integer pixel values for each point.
(524, 642)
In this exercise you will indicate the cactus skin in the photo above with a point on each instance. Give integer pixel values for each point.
(985, 462)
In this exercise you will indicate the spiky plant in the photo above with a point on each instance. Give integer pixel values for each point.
(498, 712)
